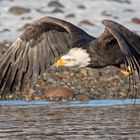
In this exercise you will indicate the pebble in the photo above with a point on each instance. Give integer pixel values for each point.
(55, 4)
(70, 16)
(57, 10)
(106, 13)
(121, 1)
(82, 97)
(81, 7)
(86, 22)
(136, 20)
(18, 10)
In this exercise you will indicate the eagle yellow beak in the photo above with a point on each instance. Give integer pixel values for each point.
(60, 62)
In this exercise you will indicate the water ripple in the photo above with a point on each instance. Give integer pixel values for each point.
(99, 120)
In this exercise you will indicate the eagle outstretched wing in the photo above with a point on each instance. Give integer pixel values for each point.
(128, 46)
(35, 50)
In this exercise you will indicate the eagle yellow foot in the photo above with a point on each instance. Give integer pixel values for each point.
(126, 71)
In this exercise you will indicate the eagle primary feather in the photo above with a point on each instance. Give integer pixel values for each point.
(49, 38)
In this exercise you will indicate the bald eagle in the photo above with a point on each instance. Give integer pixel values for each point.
(50, 40)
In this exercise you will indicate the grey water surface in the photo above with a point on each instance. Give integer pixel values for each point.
(91, 120)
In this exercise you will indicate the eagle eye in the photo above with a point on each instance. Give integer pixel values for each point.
(68, 59)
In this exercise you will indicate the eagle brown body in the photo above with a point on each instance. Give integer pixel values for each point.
(49, 38)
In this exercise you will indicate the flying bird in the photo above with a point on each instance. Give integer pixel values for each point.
(51, 41)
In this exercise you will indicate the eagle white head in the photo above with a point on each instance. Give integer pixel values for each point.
(76, 57)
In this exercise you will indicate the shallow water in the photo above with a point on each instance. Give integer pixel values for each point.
(95, 120)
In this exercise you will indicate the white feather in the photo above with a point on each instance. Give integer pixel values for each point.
(80, 55)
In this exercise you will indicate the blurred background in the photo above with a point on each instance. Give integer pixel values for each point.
(15, 15)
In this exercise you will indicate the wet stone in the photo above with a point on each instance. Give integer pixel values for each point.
(55, 4)
(57, 10)
(121, 1)
(18, 10)
(5, 30)
(82, 97)
(26, 18)
(106, 13)
(129, 10)
(70, 16)
(58, 94)
(86, 22)
(41, 11)
(136, 20)
(81, 7)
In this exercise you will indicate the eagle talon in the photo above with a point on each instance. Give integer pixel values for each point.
(126, 71)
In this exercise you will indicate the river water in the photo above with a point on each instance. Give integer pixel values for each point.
(91, 120)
